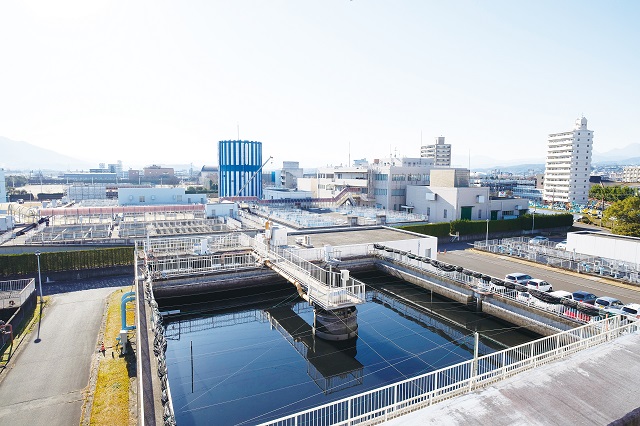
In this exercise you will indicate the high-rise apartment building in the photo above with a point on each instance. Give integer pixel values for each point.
(568, 165)
(631, 174)
(3, 189)
(240, 162)
(440, 152)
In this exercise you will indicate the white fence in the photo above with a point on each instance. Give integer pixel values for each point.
(409, 395)
(14, 293)
(545, 252)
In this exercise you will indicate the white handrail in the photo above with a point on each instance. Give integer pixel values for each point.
(411, 394)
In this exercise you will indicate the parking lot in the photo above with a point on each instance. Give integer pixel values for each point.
(498, 266)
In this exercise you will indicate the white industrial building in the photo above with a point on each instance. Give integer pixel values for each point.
(449, 198)
(330, 181)
(158, 196)
(568, 165)
(382, 184)
(440, 152)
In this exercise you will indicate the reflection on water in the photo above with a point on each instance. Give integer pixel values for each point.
(331, 365)
(255, 357)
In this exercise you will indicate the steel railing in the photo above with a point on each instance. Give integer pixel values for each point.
(412, 394)
(325, 287)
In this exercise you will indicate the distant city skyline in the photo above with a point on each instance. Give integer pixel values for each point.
(317, 83)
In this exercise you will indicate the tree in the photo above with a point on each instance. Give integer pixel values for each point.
(625, 216)
(611, 193)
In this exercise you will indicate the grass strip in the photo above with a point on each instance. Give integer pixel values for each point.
(116, 372)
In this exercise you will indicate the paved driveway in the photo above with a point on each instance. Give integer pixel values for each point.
(45, 384)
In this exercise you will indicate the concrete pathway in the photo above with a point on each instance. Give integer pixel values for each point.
(46, 382)
(594, 387)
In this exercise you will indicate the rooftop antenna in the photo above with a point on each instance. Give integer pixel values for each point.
(238, 124)
(469, 159)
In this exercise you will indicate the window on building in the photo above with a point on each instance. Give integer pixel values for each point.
(179, 198)
(142, 199)
(479, 214)
(428, 211)
(445, 213)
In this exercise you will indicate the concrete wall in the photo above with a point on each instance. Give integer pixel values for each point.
(446, 288)
(546, 324)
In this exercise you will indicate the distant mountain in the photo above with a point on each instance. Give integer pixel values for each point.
(515, 169)
(618, 155)
(629, 155)
(18, 155)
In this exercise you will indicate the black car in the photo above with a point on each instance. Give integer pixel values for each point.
(584, 297)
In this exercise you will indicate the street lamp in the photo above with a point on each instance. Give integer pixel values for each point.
(39, 277)
(533, 219)
(486, 241)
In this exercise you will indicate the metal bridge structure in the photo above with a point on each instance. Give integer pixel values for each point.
(324, 288)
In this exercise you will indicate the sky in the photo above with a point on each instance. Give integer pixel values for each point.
(319, 82)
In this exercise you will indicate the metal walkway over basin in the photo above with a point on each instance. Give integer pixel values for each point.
(327, 289)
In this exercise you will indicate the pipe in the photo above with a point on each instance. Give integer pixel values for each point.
(127, 297)
(293, 281)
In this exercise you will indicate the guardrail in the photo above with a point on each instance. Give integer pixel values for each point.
(412, 394)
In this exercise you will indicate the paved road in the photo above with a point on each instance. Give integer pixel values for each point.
(56, 287)
(45, 384)
(499, 266)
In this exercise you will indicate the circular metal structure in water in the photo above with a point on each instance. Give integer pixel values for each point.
(339, 324)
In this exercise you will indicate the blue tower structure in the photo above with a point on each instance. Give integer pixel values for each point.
(239, 161)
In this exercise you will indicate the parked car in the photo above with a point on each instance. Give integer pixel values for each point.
(538, 239)
(541, 285)
(606, 302)
(518, 278)
(562, 245)
(632, 311)
(584, 297)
